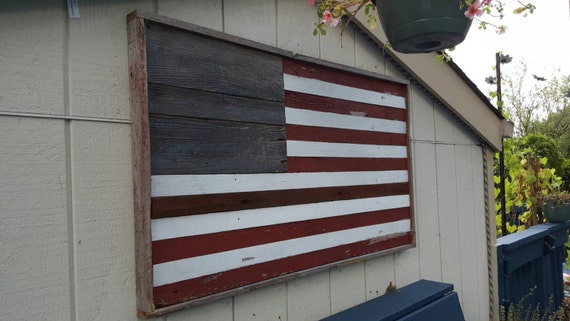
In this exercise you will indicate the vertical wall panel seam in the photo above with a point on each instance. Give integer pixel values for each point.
(354, 47)
(434, 106)
(458, 212)
(69, 168)
(365, 281)
(223, 17)
(286, 317)
(233, 308)
(276, 3)
(412, 150)
(330, 293)
(437, 195)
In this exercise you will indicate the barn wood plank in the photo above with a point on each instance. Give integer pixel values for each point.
(201, 204)
(343, 107)
(184, 59)
(140, 139)
(186, 145)
(178, 101)
(171, 249)
(250, 275)
(343, 77)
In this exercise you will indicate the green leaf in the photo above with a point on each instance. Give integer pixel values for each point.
(543, 161)
(519, 10)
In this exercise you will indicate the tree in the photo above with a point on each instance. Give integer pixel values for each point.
(528, 181)
(536, 161)
(529, 100)
(543, 146)
(557, 125)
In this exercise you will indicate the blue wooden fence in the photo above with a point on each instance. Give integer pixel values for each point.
(530, 266)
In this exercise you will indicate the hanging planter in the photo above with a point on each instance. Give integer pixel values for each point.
(422, 26)
(556, 210)
(415, 26)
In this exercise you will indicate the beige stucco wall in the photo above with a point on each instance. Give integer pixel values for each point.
(66, 215)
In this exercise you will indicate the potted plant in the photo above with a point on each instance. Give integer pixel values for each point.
(415, 26)
(556, 207)
(424, 26)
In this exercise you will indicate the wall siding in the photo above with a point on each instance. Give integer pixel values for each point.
(309, 298)
(84, 183)
(103, 256)
(34, 264)
(426, 201)
(32, 56)
(97, 71)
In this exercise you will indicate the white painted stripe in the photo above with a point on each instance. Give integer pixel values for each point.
(305, 117)
(182, 226)
(176, 185)
(327, 89)
(318, 149)
(175, 271)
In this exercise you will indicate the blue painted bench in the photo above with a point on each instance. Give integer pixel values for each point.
(420, 301)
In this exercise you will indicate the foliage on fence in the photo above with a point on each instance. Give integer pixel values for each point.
(528, 180)
(521, 312)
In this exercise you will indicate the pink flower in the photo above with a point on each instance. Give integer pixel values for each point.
(311, 2)
(474, 10)
(486, 3)
(329, 19)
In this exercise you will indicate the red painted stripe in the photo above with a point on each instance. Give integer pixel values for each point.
(201, 287)
(344, 107)
(334, 135)
(342, 77)
(172, 206)
(308, 164)
(186, 247)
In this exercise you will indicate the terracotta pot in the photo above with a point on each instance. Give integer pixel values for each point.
(420, 26)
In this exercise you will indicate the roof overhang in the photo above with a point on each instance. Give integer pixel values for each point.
(449, 84)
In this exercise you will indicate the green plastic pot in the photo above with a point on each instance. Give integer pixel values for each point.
(556, 212)
(420, 26)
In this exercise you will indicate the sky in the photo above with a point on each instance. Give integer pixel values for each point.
(541, 40)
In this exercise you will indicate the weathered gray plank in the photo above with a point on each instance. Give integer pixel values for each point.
(184, 59)
(193, 146)
(140, 138)
(176, 101)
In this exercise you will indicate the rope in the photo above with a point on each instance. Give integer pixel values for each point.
(488, 234)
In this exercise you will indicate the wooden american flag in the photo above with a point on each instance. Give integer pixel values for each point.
(344, 194)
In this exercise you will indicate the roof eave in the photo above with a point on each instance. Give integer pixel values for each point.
(450, 85)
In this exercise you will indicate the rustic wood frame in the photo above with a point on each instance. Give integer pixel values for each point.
(140, 138)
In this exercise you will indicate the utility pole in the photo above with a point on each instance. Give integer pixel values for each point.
(498, 60)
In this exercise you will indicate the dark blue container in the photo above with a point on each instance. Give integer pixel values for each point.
(530, 266)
